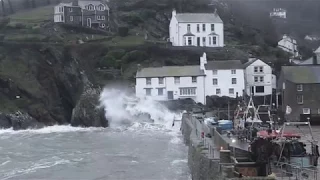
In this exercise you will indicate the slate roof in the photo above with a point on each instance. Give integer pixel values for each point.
(198, 18)
(224, 64)
(302, 74)
(170, 71)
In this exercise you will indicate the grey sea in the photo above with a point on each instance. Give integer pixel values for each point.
(143, 152)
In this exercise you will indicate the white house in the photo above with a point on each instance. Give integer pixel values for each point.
(171, 82)
(196, 29)
(259, 78)
(279, 12)
(289, 45)
(59, 13)
(222, 78)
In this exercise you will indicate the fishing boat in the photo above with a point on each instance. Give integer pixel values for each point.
(288, 145)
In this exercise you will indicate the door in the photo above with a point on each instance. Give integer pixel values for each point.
(198, 41)
(89, 22)
(170, 95)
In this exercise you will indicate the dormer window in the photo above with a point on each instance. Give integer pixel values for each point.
(90, 7)
(100, 7)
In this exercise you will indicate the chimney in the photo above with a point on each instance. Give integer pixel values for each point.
(215, 12)
(75, 3)
(203, 61)
(139, 67)
(174, 12)
(314, 59)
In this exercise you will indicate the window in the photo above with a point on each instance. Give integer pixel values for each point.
(218, 91)
(204, 41)
(233, 71)
(187, 91)
(259, 89)
(299, 87)
(203, 27)
(215, 81)
(231, 91)
(60, 9)
(258, 69)
(189, 41)
(261, 79)
(234, 80)
(160, 80)
(160, 91)
(70, 10)
(261, 69)
(177, 80)
(300, 99)
(103, 17)
(214, 40)
(90, 7)
(103, 25)
(98, 17)
(148, 91)
(188, 27)
(209, 41)
(71, 18)
(194, 79)
(256, 79)
(214, 72)
(100, 7)
(212, 27)
(198, 27)
(148, 81)
(306, 110)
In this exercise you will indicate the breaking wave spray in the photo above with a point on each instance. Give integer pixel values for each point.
(124, 109)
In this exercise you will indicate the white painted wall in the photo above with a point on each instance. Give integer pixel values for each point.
(289, 44)
(169, 85)
(269, 80)
(177, 30)
(59, 14)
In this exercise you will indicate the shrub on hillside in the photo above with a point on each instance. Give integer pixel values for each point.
(123, 31)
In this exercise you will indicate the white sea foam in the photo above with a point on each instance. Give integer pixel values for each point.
(49, 129)
(125, 110)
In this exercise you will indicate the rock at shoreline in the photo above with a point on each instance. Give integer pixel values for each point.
(19, 121)
(87, 112)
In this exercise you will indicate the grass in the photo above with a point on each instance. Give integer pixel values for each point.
(33, 16)
(24, 37)
(125, 41)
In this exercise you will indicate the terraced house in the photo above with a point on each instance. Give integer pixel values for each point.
(299, 87)
(88, 13)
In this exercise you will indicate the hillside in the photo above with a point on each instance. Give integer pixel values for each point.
(54, 73)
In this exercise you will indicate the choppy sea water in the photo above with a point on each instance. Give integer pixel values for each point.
(62, 152)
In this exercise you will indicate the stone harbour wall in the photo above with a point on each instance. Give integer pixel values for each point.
(202, 165)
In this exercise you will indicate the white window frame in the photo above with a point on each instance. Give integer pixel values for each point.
(198, 28)
(261, 69)
(71, 18)
(212, 27)
(70, 10)
(148, 81)
(233, 71)
(306, 111)
(214, 72)
(194, 79)
(103, 18)
(189, 41)
(218, 91)
(215, 80)
(214, 40)
(176, 80)
(188, 91)
(231, 90)
(103, 25)
(99, 7)
(203, 27)
(233, 80)
(299, 87)
(301, 102)
(161, 80)
(90, 9)
(256, 78)
(204, 41)
(160, 91)
(148, 91)
(261, 79)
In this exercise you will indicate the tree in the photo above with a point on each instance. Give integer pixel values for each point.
(123, 31)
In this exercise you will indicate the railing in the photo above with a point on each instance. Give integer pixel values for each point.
(297, 172)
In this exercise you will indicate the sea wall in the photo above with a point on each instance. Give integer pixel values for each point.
(205, 160)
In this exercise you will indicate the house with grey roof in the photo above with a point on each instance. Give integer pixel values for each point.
(221, 78)
(289, 45)
(196, 29)
(88, 13)
(259, 78)
(299, 88)
(314, 60)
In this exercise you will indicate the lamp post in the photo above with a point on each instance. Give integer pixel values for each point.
(308, 118)
(233, 141)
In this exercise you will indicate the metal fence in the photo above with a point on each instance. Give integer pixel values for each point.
(290, 171)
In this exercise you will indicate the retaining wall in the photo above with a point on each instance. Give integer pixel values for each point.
(202, 163)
